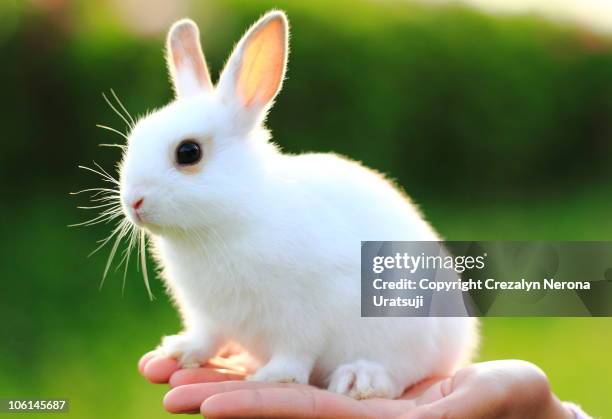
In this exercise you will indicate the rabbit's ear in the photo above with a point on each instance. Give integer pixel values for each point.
(186, 63)
(254, 72)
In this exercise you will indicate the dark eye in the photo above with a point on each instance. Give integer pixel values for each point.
(188, 152)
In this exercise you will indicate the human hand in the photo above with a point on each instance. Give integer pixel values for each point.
(497, 389)
(228, 371)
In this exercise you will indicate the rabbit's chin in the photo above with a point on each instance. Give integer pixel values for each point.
(143, 223)
(154, 229)
(146, 221)
(172, 232)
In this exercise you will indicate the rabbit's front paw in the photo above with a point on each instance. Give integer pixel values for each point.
(189, 351)
(364, 380)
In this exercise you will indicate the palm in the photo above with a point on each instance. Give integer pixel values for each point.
(222, 377)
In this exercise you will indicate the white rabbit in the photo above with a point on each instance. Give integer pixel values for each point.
(263, 248)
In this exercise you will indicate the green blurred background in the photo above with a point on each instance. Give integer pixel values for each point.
(499, 127)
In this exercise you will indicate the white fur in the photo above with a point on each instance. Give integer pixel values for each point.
(263, 248)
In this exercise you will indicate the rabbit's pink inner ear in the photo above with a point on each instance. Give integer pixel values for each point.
(263, 62)
(185, 59)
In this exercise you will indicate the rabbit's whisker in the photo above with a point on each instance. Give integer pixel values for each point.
(107, 239)
(111, 129)
(105, 172)
(105, 177)
(109, 103)
(124, 108)
(121, 146)
(122, 230)
(108, 201)
(104, 216)
(114, 204)
(98, 190)
(126, 255)
(115, 198)
(143, 262)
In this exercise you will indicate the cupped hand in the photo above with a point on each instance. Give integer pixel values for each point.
(496, 389)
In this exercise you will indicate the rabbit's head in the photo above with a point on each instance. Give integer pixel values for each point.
(196, 160)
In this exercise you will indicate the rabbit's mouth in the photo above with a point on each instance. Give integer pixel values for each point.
(143, 219)
(139, 218)
(138, 211)
(137, 215)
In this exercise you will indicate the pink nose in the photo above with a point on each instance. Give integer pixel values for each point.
(137, 204)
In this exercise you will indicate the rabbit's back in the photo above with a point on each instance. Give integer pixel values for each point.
(360, 200)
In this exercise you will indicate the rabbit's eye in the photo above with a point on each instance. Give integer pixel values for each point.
(188, 152)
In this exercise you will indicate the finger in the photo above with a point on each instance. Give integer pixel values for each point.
(425, 412)
(145, 359)
(203, 375)
(159, 369)
(285, 402)
(188, 398)
(225, 399)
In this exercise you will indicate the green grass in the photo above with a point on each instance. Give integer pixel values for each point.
(62, 337)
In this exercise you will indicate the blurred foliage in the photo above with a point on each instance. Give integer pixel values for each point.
(499, 126)
(445, 99)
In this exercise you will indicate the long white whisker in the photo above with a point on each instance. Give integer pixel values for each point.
(108, 202)
(124, 228)
(99, 190)
(130, 248)
(115, 198)
(121, 146)
(113, 204)
(104, 218)
(143, 262)
(111, 129)
(123, 107)
(97, 220)
(115, 109)
(108, 175)
(116, 230)
(105, 178)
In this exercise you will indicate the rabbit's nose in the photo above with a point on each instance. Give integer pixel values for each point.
(138, 203)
